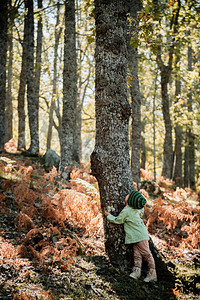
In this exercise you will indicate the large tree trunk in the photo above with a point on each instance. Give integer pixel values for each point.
(54, 92)
(134, 92)
(177, 176)
(32, 105)
(22, 88)
(110, 158)
(3, 55)
(9, 105)
(69, 90)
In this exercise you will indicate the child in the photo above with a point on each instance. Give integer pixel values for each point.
(136, 233)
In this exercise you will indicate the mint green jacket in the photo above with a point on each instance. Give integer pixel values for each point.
(134, 227)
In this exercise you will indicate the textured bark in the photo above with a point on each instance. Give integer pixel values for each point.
(77, 129)
(3, 55)
(9, 106)
(52, 106)
(189, 161)
(191, 170)
(32, 105)
(21, 91)
(167, 147)
(143, 154)
(191, 149)
(186, 163)
(134, 92)
(38, 63)
(189, 165)
(69, 90)
(177, 176)
(110, 158)
(154, 128)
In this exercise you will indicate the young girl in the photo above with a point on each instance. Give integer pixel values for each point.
(136, 233)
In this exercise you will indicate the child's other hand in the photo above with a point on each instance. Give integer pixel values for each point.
(106, 213)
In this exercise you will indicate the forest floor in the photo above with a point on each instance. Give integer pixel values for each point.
(52, 244)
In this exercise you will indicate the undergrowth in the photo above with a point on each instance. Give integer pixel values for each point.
(57, 224)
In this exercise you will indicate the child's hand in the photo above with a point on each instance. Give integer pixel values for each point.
(106, 213)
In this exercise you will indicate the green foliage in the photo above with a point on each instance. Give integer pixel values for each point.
(155, 28)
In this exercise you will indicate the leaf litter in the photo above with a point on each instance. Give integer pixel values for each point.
(52, 241)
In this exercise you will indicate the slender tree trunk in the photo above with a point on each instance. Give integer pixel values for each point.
(32, 105)
(167, 147)
(165, 73)
(77, 133)
(3, 55)
(22, 88)
(69, 90)
(79, 83)
(110, 158)
(186, 162)
(177, 176)
(143, 148)
(54, 92)
(134, 92)
(154, 128)
(191, 137)
(9, 105)
(38, 63)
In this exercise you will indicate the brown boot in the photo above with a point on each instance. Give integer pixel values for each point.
(151, 276)
(136, 273)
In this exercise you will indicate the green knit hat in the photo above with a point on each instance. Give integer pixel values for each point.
(136, 200)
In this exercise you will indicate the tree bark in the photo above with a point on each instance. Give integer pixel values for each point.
(191, 137)
(69, 90)
(9, 105)
(154, 128)
(143, 150)
(37, 72)
(167, 147)
(32, 105)
(21, 91)
(177, 176)
(186, 162)
(3, 55)
(134, 91)
(110, 158)
(54, 92)
(165, 73)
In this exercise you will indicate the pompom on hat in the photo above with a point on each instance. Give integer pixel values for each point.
(136, 200)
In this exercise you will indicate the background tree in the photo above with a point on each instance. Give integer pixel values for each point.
(55, 76)
(177, 174)
(165, 72)
(135, 94)
(3, 55)
(189, 165)
(22, 89)
(37, 72)
(32, 104)
(69, 90)
(9, 104)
